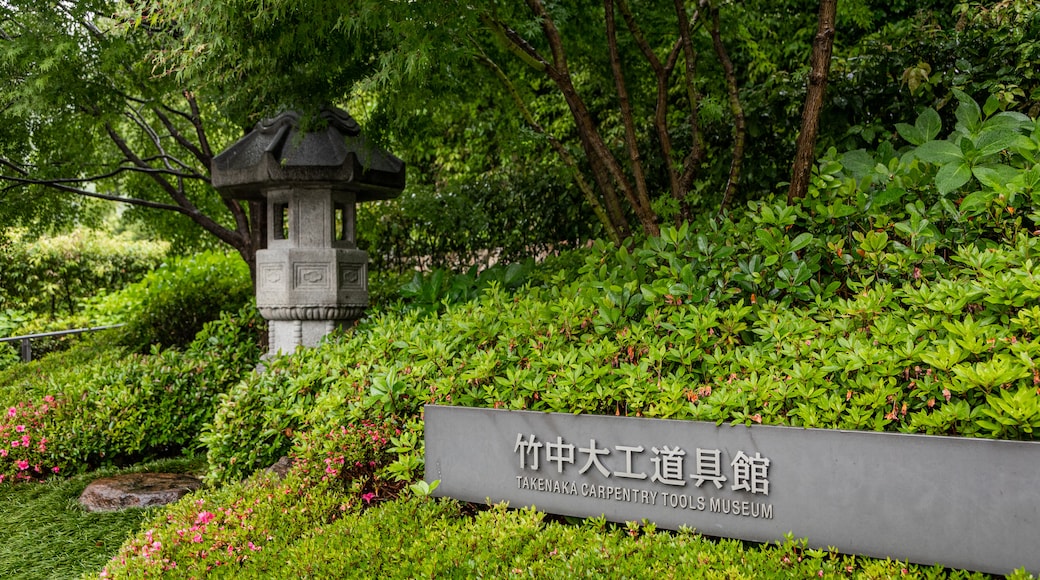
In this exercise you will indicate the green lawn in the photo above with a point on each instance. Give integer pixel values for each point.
(44, 533)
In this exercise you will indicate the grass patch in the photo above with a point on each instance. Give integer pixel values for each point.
(44, 533)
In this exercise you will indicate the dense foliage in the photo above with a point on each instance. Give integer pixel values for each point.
(104, 407)
(53, 276)
(900, 296)
(881, 302)
(265, 527)
(53, 283)
(171, 304)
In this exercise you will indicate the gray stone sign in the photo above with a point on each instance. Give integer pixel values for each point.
(963, 503)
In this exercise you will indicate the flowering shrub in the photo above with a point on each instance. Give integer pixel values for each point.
(296, 536)
(355, 455)
(227, 530)
(113, 407)
(23, 443)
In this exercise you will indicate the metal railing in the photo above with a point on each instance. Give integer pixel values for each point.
(26, 340)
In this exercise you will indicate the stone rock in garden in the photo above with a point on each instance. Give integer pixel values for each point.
(136, 490)
(281, 467)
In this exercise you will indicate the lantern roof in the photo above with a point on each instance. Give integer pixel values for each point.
(277, 153)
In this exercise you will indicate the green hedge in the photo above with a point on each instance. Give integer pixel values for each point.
(171, 304)
(54, 276)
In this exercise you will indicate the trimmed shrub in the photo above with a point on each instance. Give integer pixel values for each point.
(54, 276)
(171, 304)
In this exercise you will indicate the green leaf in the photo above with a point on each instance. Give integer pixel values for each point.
(951, 176)
(888, 196)
(928, 124)
(939, 152)
(1009, 120)
(993, 141)
(968, 113)
(858, 163)
(991, 106)
(801, 241)
(912, 134)
(977, 202)
(994, 176)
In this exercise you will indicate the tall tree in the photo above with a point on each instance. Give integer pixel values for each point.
(85, 118)
(628, 137)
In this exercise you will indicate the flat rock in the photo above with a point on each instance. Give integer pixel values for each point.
(136, 490)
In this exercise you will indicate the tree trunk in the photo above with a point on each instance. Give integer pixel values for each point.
(257, 235)
(820, 64)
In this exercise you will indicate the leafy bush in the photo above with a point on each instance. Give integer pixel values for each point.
(881, 302)
(171, 304)
(257, 418)
(23, 452)
(36, 379)
(263, 528)
(112, 410)
(504, 217)
(54, 276)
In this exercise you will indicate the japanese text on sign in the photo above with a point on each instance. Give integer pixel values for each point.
(747, 473)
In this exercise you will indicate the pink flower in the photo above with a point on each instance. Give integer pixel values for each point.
(19, 428)
(3, 453)
(55, 469)
(368, 497)
(205, 517)
(11, 411)
(48, 399)
(197, 539)
(23, 465)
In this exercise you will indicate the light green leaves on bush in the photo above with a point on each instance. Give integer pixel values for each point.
(974, 148)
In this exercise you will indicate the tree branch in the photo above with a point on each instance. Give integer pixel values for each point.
(568, 159)
(200, 129)
(13, 166)
(739, 127)
(626, 106)
(820, 62)
(113, 173)
(605, 167)
(516, 44)
(163, 156)
(180, 139)
(661, 74)
(692, 162)
(86, 193)
(232, 238)
(552, 34)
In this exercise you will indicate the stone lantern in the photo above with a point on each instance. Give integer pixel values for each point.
(312, 277)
